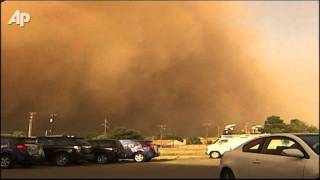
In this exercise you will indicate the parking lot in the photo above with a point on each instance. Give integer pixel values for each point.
(181, 168)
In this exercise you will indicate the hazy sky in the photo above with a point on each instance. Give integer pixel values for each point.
(146, 63)
(289, 34)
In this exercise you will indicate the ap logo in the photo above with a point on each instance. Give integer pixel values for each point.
(19, 18)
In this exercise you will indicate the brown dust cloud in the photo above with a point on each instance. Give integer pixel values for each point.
(142, 63)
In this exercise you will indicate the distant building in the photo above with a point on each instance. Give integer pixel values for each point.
(208, 139)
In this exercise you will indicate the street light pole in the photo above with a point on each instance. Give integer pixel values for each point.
(207, 125)
(31, 115)
(105, 127)
(162, 128)
(246, 128)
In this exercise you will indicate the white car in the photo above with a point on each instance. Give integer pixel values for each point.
(226, 143)
(290, 156)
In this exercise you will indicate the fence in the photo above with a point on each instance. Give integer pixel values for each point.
(183, 150)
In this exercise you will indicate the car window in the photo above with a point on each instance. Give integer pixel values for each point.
(81, 141)
(55, 141)
(27, 140)
(276, 145)
(254, 146)
(108, 143)
(4, 142)
(127, 143)
(105, 143)
(46, 142)
(64, 141)
(50, 142)
(215, 141)
(94, 143)
(312, 141)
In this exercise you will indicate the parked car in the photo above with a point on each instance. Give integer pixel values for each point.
(105, 150)
(62, 150)
(138, 150)
(226, 143)
(274, 156)
(20, 151)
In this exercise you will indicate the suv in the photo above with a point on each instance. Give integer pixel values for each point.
(20, 150)
(65, 149)
(105, 150)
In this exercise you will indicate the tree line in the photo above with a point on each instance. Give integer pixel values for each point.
(273, 124)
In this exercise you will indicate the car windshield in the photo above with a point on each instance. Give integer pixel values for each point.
(215, 141)
(312, 141)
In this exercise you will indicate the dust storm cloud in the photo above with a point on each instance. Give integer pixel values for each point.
(182, 64)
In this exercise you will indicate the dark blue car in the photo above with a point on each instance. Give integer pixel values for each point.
(19, 151)
(138, 150)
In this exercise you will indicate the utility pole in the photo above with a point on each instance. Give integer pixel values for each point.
(31, 116)
(207, 125)
(246, 128)
(106, 126)
(162, 128)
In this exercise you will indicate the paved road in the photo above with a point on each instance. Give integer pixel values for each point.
(184, 168)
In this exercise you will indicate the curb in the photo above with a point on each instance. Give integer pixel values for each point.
(179, 157)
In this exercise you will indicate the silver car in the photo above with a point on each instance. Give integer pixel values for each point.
(289, 156)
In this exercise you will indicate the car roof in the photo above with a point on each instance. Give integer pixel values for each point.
(59, 137)
(306, 133)
(8, 136)
(17, 137)
(292, 135)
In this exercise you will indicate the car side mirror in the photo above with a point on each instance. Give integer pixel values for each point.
(293, 153)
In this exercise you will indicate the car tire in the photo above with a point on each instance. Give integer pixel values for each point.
(101, 158)
(214, 155)
(139, 157)
(62, 159)
(227, 174)
(6, 161)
